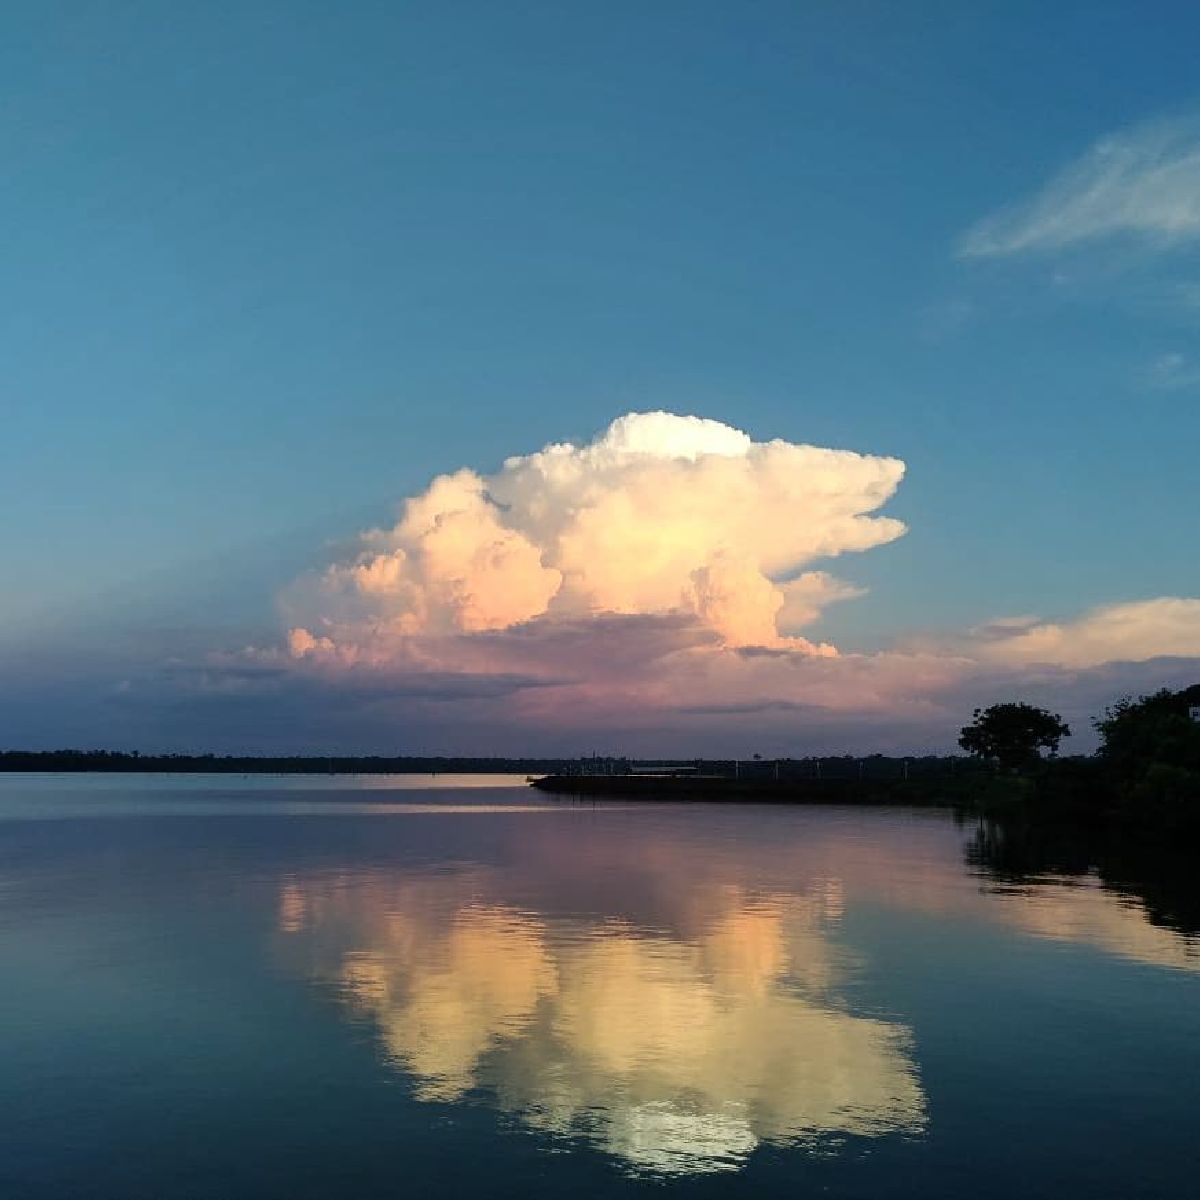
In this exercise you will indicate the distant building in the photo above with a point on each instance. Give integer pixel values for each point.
(1194, 712)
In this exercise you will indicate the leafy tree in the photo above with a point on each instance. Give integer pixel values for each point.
(1151, 747)
(1152, 729)
(1013, 735)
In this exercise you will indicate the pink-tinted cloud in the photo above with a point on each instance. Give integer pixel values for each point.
(651, 587)
(1168, 626)
(660, 514)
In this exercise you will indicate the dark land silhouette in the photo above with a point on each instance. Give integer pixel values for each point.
(272, 764)
(1145, 774)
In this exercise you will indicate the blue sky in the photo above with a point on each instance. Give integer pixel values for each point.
(271, 267)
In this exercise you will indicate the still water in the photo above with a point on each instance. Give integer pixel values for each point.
(266, 987)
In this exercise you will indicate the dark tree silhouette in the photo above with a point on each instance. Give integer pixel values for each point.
(1013, 735)
(1152, 729)
(1151, 749)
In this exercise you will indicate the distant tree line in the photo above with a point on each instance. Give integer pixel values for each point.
(1146, 771)
(846, 767)
(337, 764)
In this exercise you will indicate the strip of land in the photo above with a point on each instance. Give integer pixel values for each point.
(796, 790)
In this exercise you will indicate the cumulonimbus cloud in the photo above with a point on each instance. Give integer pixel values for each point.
(660, 514)
(1140, 182)
(652, 584)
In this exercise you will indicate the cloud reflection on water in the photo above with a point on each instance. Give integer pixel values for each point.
(677, 993)
(676, 1054)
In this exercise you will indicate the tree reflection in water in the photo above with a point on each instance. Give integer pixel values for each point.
(1155, 883)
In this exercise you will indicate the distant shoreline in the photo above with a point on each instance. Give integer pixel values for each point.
(51, 763)
(827, 776)
(110, 762)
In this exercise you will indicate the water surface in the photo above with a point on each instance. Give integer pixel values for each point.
(235, 987)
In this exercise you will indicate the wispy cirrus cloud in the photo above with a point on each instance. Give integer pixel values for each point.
(1170, 372)
(1142, 182)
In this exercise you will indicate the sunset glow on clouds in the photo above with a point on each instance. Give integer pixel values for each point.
(661, 578)
(659, 515)
(720, 1028)
(1168, 626)
(318, 431)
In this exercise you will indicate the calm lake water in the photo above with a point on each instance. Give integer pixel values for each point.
(449, 987)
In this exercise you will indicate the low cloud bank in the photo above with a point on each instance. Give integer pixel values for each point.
(1165, 627)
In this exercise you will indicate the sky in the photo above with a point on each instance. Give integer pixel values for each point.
(297, 298)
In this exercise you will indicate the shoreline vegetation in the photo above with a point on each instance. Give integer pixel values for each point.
(1143, 780)
(1145, 773)
(839, 774)
(1126, 817)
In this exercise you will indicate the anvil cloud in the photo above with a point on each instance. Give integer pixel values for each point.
(659, 515)
(656, 585)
